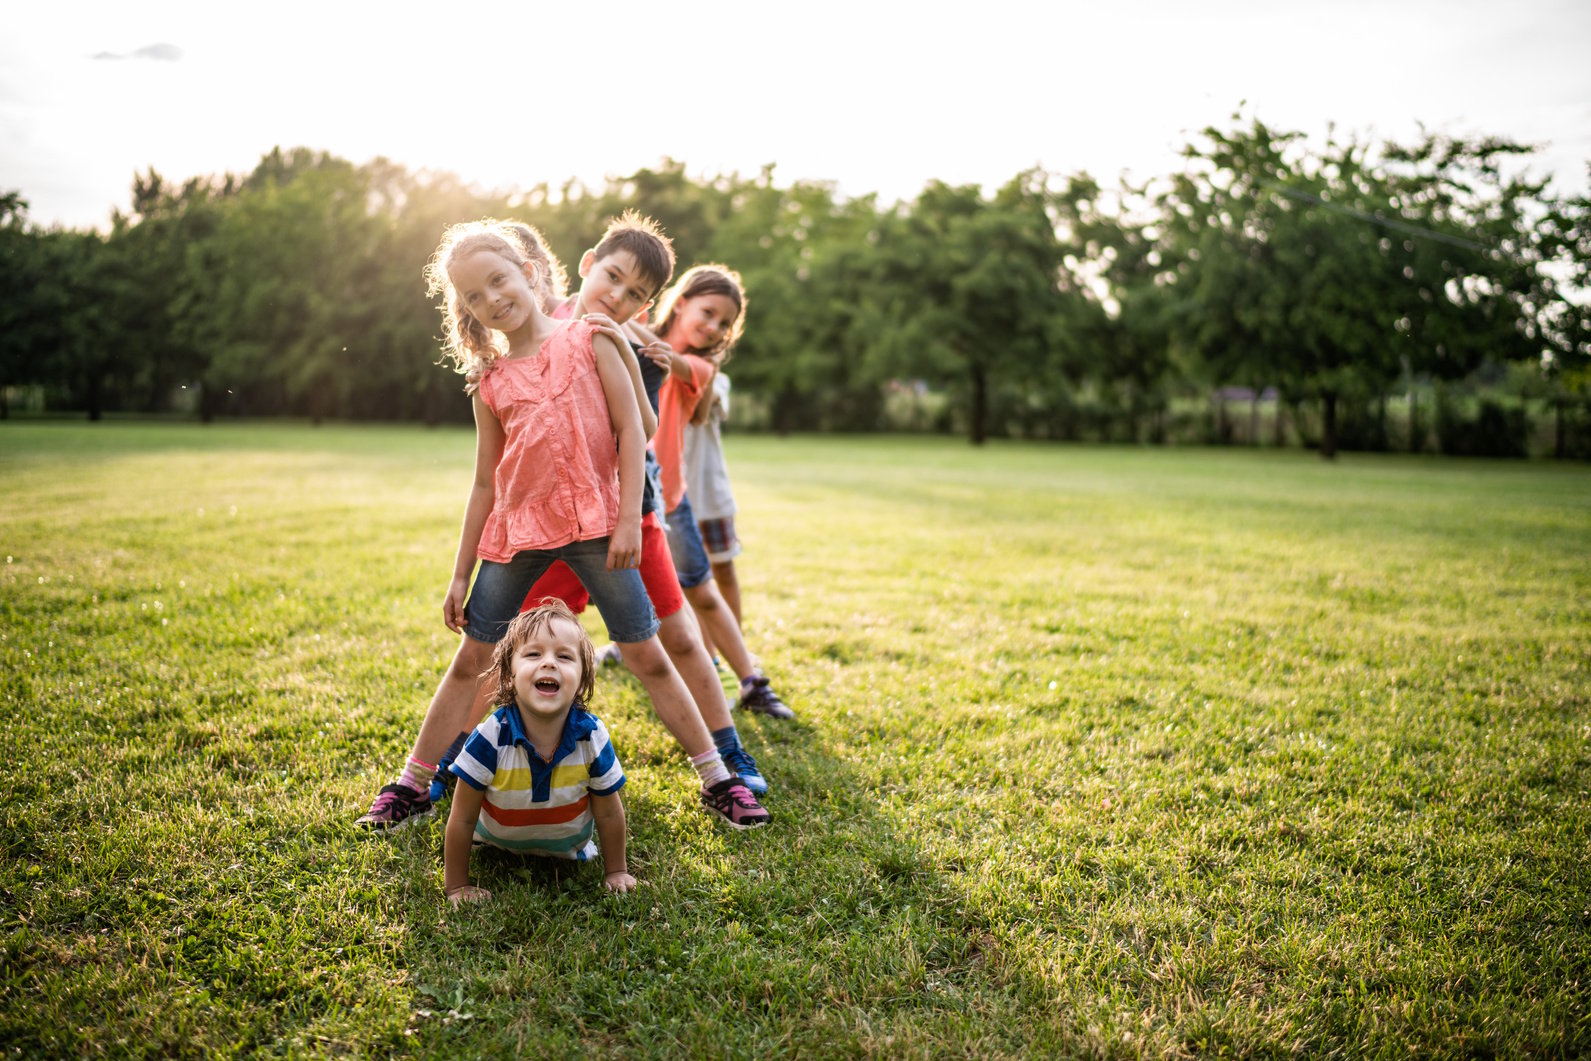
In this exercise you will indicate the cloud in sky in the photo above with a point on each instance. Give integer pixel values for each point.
(169, 53)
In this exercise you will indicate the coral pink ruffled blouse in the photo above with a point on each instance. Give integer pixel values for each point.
(558, 478)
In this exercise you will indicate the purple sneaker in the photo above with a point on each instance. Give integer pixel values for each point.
(396, 807)
(756, 695)
(732, 801)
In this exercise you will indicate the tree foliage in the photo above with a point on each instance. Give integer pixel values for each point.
(1048, 307)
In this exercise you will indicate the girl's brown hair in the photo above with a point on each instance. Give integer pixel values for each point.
(524, 625)
(697, 281)
(466, 340)
(554, 286)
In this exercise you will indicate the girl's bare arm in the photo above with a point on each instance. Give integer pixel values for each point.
(607, 327)
(624, 549)
(489, 441)
(648, 417)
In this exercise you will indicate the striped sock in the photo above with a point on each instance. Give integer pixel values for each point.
(417, 774)
(710, 767)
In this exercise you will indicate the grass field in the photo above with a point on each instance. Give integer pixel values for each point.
(1100, 752)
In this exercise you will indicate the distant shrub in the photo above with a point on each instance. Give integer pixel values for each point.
(1362, 426)
(1493, 430)
(1574, 420)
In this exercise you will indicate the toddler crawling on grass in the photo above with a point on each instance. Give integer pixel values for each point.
(539, 774)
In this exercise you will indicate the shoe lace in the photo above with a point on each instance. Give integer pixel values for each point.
(740, 761)
(390, 796)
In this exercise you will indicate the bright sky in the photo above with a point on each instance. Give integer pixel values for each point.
(875, 97)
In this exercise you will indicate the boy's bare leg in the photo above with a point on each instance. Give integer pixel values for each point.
(729, 587)
(671, 698)
(722, 629)
(678, 633)
(701, 629)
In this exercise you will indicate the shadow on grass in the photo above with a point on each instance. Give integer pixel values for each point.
(829, 932)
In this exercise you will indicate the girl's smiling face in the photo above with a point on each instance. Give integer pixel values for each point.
(703, 322)
(495, 290)
(547, 668)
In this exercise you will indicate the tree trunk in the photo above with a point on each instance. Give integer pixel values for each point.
(1558, 446)
(783, 412)
(208, 402)
(1279, 429)
(1254, 419)
(1328, 425)
(95, 395)
(978, 428)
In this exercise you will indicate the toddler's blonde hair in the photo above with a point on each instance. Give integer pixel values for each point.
(524, 625)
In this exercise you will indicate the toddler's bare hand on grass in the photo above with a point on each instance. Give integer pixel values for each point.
(468, 894)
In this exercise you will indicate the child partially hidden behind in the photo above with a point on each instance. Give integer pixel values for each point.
(539, 775)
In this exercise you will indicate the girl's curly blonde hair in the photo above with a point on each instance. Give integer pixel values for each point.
(701, 280)
(468, 343)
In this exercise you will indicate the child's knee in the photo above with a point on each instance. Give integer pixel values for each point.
(470, 659)
(703, 598)
(646, 658)
(680, 636)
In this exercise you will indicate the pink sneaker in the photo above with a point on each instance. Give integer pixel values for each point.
(732, 801)
(395, 807)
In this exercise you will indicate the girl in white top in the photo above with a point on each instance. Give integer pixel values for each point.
(707, 484)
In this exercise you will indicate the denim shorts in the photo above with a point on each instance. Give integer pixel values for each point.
(685, 543)
(657, 575)
(500, 589)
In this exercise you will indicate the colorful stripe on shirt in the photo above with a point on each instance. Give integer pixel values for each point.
(535, 804)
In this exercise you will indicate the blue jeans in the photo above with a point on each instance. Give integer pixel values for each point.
(500, 589)
(685, 543)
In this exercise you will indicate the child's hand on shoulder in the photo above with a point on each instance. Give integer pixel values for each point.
(663, 356)
(619, 881)
(470, 894)
(605, 325)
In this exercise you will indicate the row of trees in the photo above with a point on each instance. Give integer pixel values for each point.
(1334, 276)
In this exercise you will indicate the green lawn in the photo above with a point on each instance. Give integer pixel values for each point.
(1114, 752)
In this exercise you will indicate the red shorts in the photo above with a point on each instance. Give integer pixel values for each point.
(657, 574)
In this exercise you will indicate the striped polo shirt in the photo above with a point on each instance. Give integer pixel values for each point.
(533, 804)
